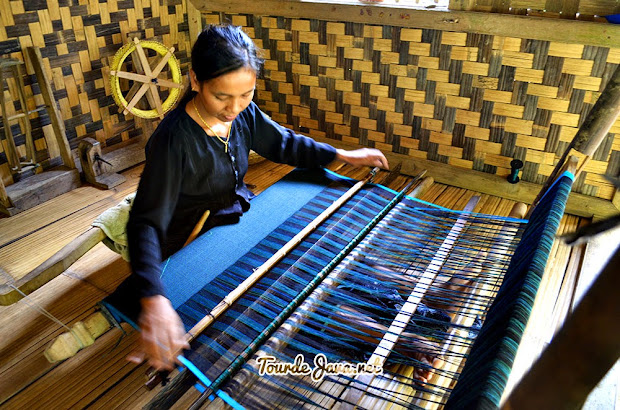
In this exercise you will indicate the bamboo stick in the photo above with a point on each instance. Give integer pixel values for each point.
(592, 132)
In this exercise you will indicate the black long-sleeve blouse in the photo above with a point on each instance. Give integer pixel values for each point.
(188, 172)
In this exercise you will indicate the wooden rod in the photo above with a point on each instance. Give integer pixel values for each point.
(582, 352)
(400, 322)
(197, 228)
(53, 266)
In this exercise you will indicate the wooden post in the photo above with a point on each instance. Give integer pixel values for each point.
(582, 352)
(194, 16)
(50, 102)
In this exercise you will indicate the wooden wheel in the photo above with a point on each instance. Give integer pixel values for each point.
(147, 81)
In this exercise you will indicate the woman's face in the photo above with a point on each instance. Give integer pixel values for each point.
(224, 97)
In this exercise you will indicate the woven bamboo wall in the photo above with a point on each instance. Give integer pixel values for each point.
(77, 42)
(571, 9)
(469, 100)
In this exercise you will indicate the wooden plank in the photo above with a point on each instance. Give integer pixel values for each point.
(39, 188)
(565, 31)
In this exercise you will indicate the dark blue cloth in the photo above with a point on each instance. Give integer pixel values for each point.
(188, 172)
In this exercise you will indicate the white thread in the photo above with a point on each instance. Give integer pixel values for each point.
(36, 307)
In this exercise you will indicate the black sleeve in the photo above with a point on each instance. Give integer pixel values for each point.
(279, 144)
(152, 210)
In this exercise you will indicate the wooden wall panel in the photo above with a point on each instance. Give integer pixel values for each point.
(473, 101)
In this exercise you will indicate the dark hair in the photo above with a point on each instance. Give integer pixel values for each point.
(219, 50)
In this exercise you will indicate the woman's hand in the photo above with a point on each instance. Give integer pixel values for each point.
(162, 334)
(363, 157)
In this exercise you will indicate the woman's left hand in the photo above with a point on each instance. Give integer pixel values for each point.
(363, 157)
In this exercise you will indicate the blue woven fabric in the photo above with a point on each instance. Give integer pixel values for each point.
(210, 254)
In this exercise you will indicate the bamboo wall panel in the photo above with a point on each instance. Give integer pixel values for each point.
(571, 9)
(78, 41)
(473, 101)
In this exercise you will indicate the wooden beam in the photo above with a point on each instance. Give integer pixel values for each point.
(578, 204)
(591, 133)
(52, 267)
(195, 22)
(58, 123)
(537, 28)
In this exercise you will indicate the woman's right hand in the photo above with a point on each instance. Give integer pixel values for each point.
(162, 334)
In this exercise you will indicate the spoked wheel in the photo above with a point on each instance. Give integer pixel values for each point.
(144, 81)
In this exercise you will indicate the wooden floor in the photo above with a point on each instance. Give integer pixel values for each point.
(99, 377)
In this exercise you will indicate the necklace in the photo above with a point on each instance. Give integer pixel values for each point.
(222, 140)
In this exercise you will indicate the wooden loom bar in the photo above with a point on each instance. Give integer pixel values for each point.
(400, 322)
(52, 267)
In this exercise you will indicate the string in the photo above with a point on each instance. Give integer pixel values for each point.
(30, 303)
(222, 140)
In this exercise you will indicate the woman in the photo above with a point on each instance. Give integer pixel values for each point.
(196, 160)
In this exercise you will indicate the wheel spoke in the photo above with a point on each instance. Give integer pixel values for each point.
(136, 98)
(146, 81)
